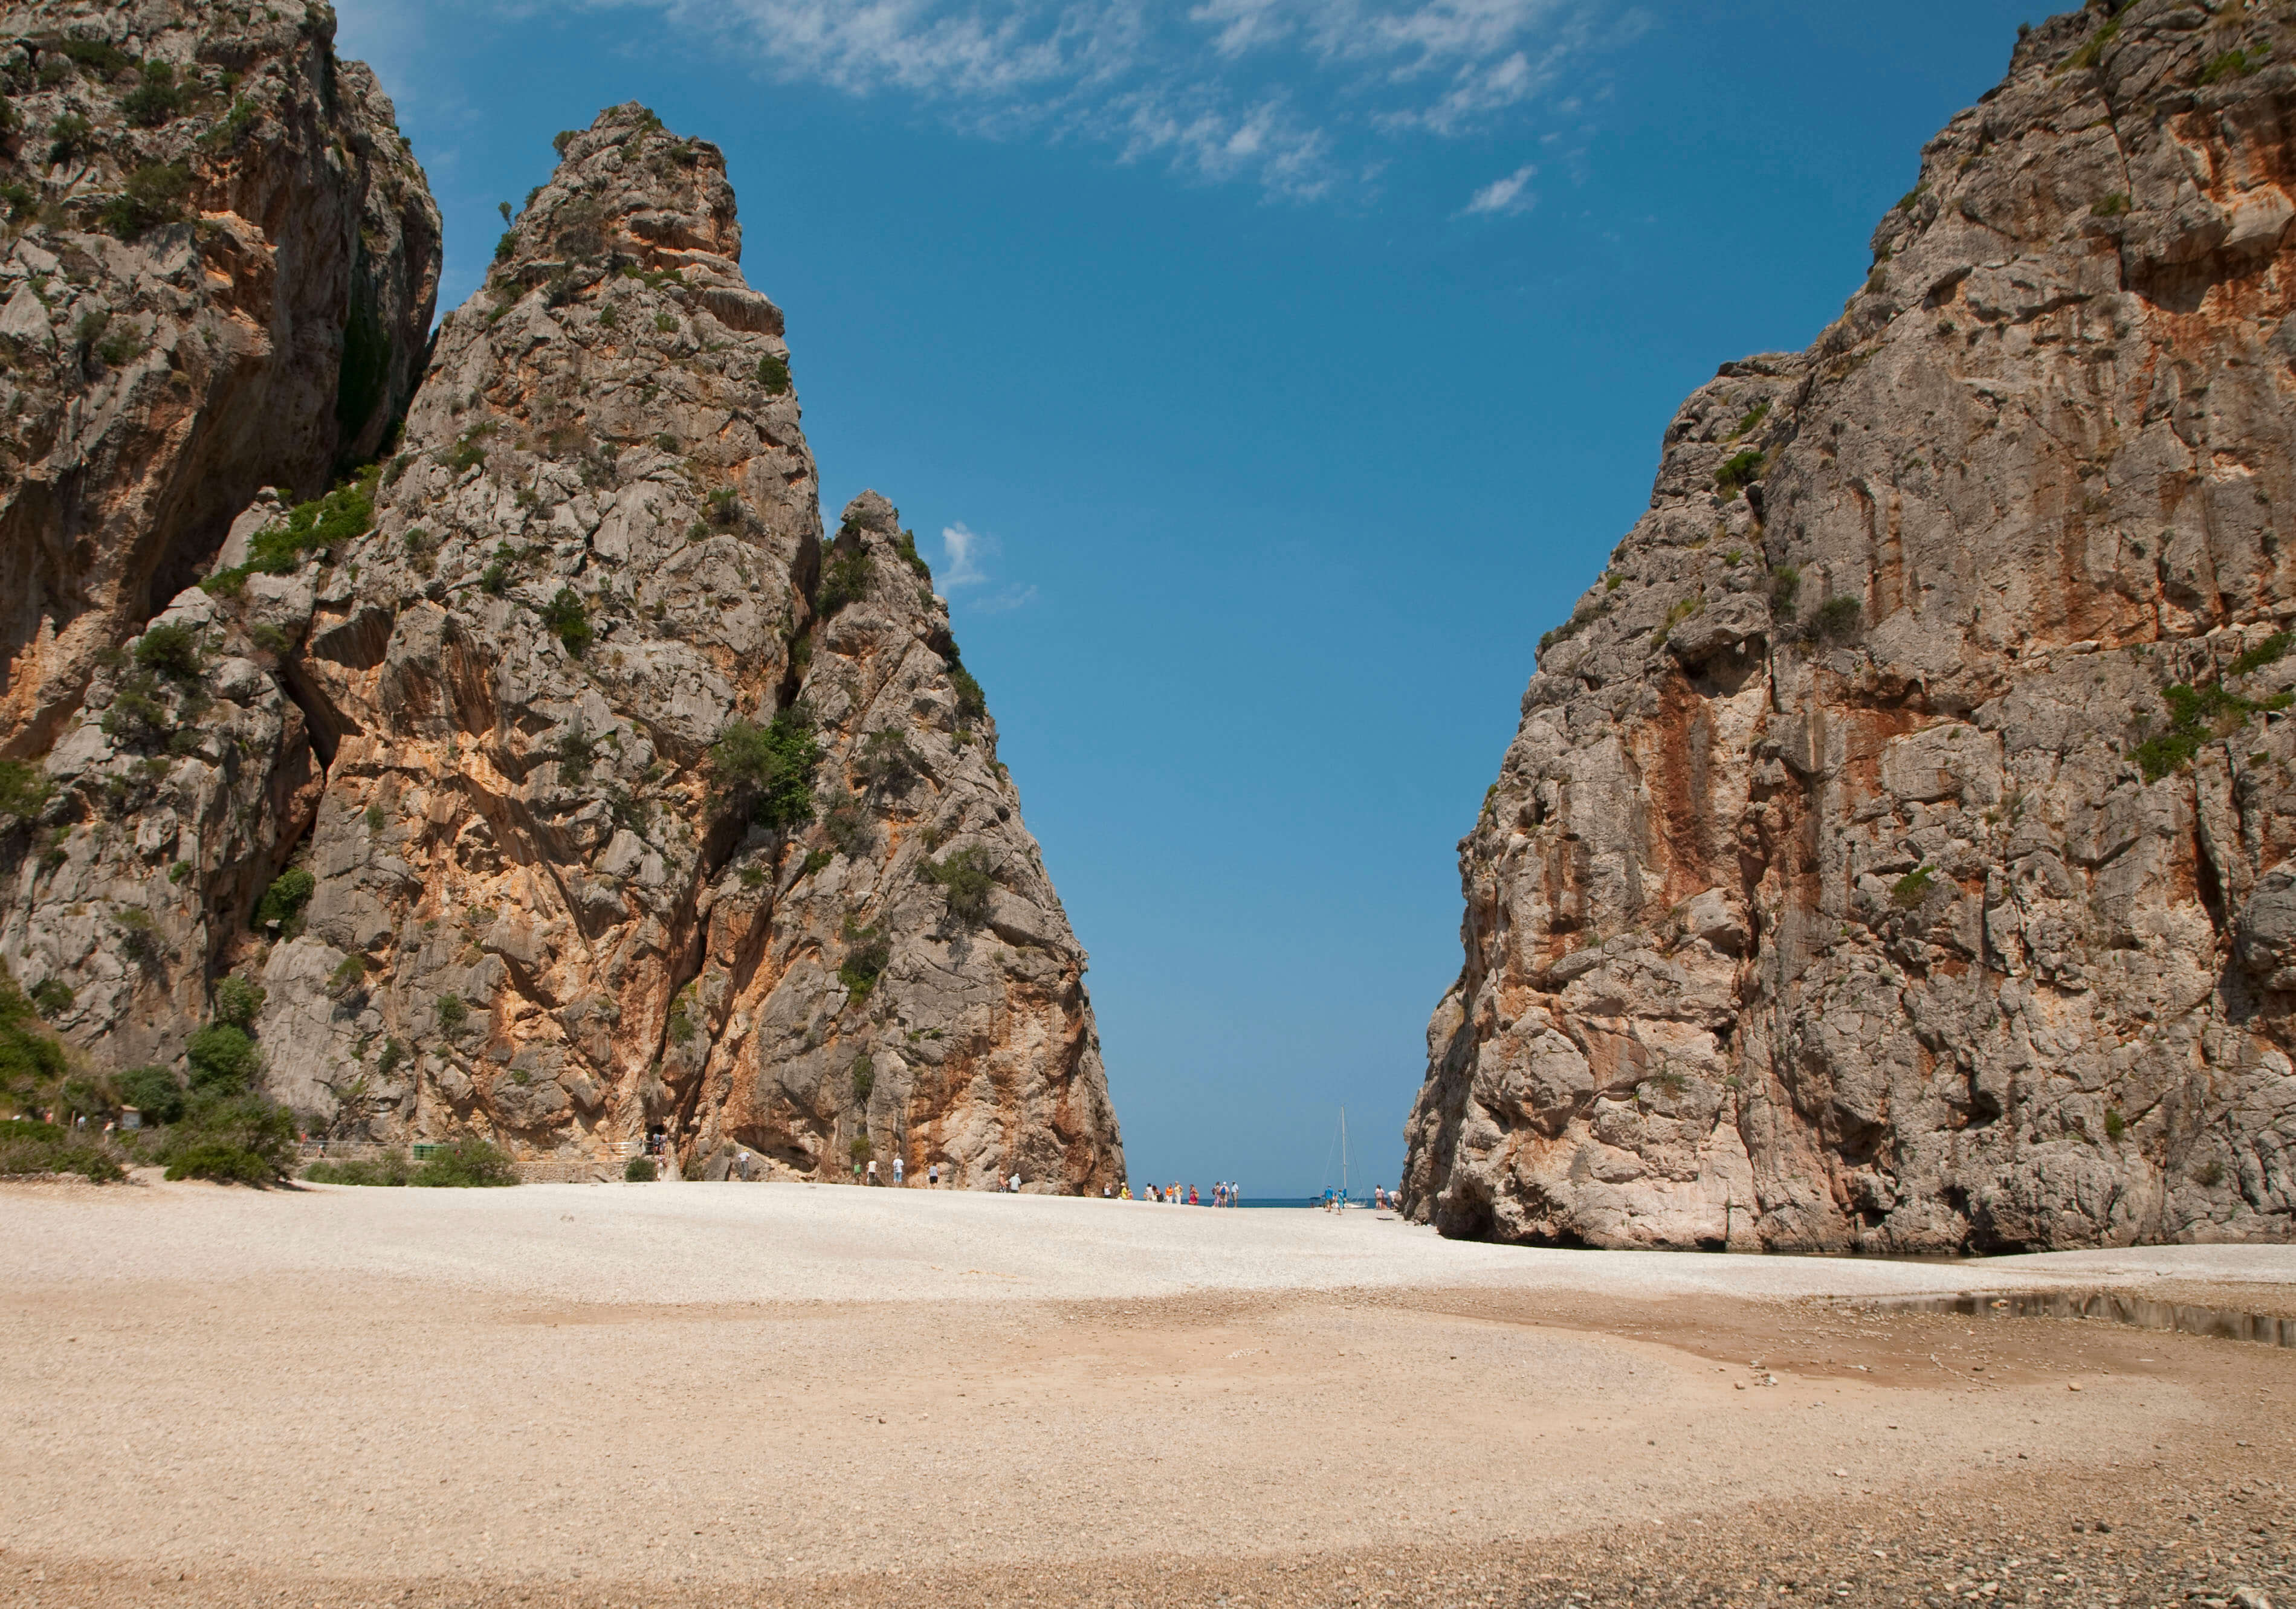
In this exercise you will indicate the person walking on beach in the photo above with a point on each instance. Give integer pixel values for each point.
(900, 1173)
(1016, 1181)
(873, 1170)
(932, 1176)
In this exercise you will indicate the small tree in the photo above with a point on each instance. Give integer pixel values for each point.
(768, 769)
(569, 621)
(963, 878)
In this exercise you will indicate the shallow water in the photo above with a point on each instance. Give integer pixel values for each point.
(2142, 1312)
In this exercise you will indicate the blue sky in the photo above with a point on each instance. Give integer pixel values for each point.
(1263, 377)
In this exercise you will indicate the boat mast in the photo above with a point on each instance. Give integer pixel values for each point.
(1343, 1156)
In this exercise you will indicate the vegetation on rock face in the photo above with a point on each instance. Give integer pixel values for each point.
(1739, 472)
(774, 375)
(2195, 715)
(569, 621)
(845, 579)
(964, 879)
(768, 770)
(1911, 889)
(868, 953)
(283, 902)
(1837, 621)
(641, 1170)
(324, 523)
(865, 1078)
(151, 196)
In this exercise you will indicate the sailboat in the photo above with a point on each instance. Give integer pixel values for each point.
(1342, 1143)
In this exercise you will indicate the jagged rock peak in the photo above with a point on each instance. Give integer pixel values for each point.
(218, 273)
(631, 807)
(1895, 850)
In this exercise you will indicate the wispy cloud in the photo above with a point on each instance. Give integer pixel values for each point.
(965, 554)
(1506, 194)
(963, 549)
(1293, 95)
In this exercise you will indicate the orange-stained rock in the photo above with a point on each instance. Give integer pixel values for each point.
(1830, 897)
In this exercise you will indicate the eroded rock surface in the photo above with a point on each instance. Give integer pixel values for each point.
(220, 266)
(638, 803)
(1855, 880)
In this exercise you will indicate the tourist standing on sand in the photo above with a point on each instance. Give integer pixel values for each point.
(1016, 1181)
(899, 1172)
(873, 1170)
(932, 1176)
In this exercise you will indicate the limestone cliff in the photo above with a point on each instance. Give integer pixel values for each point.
(636, 801)
(1895, 850)
(219, 268)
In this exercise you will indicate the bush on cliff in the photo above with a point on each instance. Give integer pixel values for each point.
(768, 770)
(964, 878)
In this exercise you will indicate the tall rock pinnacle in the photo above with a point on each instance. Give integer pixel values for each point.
(1897, 851)
(638, 802)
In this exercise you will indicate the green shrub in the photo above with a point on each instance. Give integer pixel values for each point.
(774, 375)
(100, 58)
(887, 760)
(223, 1059)
(238, 1001)
(847, 828)
(865, 1078)
(2115, 1124)
(1837, 620)
(1911, 889)
(664, 323)
(151, 196)
(768, 770)
(963, 878)
(24, 789)
(67, 136)
(2234, 64)
(137, 937)
(270, 638)
(972, 703)
(394, 1052)
(238, 1138)
(171, 650)
(2271, 650)
(2094, 46)
(468, 450)
(569, 621)
(283, 902)
(867, 951)
(640, 1170)
(53, 996)
(27, 1146)
(845, 579)
(391, 1169)
(577, 750)
(120, 348)
(452, 1012)
(467, 1164)
(2195, 715)
(232, 126)
(905, 545)
(157, 99)
(815, 861)
(724, 506)
(1739, 472)
(336, 520)
(1755, 415)
(153, 1092)
(681, 1020)
(2113, 205)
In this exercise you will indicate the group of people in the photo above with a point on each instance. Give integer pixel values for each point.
(1224, 1195)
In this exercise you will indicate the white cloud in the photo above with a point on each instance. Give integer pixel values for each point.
(1504, 195)
(1283, 93)
(965, 548)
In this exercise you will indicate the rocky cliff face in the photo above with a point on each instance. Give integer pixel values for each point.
(220, 265)
(633, 800)
(1896, 852)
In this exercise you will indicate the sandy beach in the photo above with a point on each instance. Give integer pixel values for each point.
(791, 1394)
